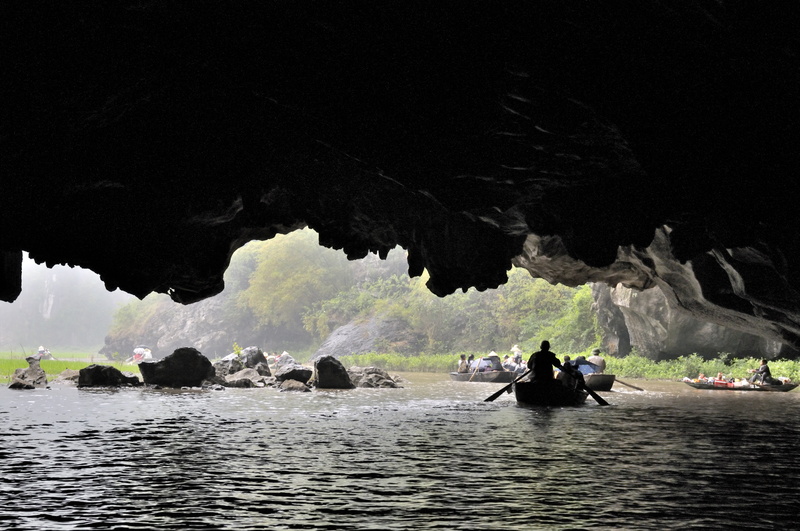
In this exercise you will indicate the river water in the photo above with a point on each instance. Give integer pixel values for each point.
(432, 455)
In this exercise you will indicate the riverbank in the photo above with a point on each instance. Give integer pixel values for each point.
(11, 361)
(637, 367)
(634, 367)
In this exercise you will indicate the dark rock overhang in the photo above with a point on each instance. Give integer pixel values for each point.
(646, 143)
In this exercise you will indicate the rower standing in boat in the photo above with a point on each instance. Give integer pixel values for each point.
(541, 363)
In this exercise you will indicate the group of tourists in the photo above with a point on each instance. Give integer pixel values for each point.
(761, 375)
(492, 362)
(542, 365)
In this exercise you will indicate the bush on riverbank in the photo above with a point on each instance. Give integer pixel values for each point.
(633, 366)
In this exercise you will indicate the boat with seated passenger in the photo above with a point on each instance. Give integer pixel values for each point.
(488, 369)
(714, 384)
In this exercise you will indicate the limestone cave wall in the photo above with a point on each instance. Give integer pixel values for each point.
(646, 144)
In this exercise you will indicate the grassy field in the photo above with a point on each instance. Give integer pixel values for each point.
(11, 361)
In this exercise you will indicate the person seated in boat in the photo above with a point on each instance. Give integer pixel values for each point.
(471, 362)
(508, 363)
(482, 364)
(583, 365)
(463, 366)
(760, 375)
(520, 365)
(493, 361)
(572, 377)
(541, 363)
(597, 360)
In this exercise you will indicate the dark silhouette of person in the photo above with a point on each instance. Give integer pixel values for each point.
(541, 363)
(572, 377)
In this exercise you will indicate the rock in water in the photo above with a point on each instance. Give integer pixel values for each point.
(293, 371)
(31, 378)
(230, 364)
(186, 367)
(252, 356)
(331, 374)
(293, 385)
(105, 376)
(371, 377)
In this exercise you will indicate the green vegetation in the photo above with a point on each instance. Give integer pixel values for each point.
(134, 318)
(397, 362)
(632, 366)
(11, 361)
(293, 293)
(635, 366)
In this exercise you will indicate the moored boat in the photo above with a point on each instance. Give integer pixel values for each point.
(721, 385)
(599, 381)
(548, 393)
(485, 377)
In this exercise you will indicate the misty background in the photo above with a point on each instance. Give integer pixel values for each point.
(64, 308)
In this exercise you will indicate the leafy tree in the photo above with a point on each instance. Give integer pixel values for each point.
(576, 329)
(292, 274)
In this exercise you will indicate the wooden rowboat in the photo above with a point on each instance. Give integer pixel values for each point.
(721, 386)
(599, 382)
(485, 377)
(548, 393)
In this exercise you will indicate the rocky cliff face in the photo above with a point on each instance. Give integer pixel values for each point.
(645, 320)
(376, 334)
(471, 135)
(202, 325)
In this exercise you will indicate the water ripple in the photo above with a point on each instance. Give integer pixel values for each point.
(430, 456)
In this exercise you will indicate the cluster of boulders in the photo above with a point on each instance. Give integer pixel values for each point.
(187, 367)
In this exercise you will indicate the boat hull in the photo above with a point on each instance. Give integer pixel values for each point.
(600, 382)
(484, 377)
(548, 393)
(767, 388)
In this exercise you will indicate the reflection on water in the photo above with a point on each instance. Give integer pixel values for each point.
(430, 456)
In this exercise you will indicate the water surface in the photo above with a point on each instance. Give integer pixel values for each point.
(432, 455)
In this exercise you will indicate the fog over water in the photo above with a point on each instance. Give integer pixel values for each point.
(62, 308)
(432, 455)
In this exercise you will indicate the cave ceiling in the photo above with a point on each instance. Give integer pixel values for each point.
(647, 143)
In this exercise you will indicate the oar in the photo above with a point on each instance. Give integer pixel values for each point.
(477, 366)
(598, 398)
(629, 385)
(580, 383)
(506, 388)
